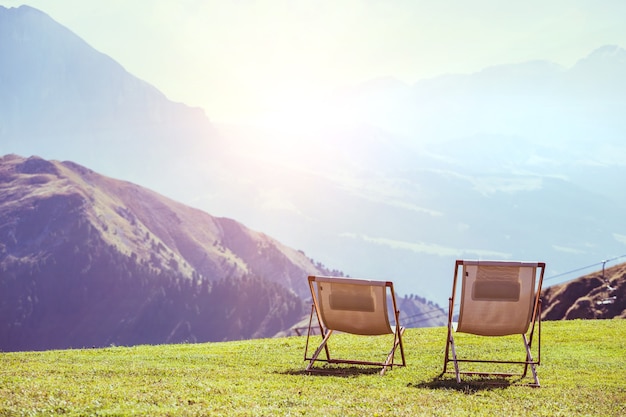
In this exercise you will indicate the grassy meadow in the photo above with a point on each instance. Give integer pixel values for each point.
(583, 372)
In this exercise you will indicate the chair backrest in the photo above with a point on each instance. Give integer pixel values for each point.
(352, 305)
(498, 297)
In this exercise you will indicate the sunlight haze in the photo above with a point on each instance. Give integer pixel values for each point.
(259, 61)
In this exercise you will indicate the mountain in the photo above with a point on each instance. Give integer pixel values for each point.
(599, 295)
(516, 161)
(88, 260)
(536, 100)
(63, 99)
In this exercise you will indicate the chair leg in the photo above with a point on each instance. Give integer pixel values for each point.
(308, 333)
(446, 358)
(319, 350)
(390, 356)
(456, 363)
(529, 361)
(402, 345)
(450, 348)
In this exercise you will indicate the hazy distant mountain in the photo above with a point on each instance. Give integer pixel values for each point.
(535, 100)
(599, 295)
(61, 98)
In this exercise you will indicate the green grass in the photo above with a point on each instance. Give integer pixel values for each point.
(583, 372)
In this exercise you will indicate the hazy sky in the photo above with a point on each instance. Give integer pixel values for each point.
(238, 59)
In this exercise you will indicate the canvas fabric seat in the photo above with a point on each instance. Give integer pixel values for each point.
(353, 306)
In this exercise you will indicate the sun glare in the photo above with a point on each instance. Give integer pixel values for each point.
(302, 110)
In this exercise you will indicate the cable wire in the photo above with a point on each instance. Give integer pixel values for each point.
(603, 262)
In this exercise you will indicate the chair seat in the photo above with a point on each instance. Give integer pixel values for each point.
(353, 306)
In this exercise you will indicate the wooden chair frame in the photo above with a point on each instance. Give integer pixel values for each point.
(326, 332)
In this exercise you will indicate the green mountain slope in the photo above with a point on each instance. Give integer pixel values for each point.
(87, 260)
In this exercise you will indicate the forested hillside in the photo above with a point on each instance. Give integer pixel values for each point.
(599, 295)
(86, 260)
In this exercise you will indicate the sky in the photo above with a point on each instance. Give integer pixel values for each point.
(241, 60)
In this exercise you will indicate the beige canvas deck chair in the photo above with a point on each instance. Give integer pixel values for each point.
(497, 298)
(353, 306)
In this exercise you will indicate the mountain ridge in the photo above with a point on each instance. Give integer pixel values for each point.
(119, 205)
(88, 260)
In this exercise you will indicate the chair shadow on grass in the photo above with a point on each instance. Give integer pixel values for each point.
(467, 386)
(335, 371)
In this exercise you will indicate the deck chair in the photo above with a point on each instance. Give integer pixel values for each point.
(497, 298)
(353, 306)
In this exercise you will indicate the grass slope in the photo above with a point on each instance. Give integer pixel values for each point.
(582, 373)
